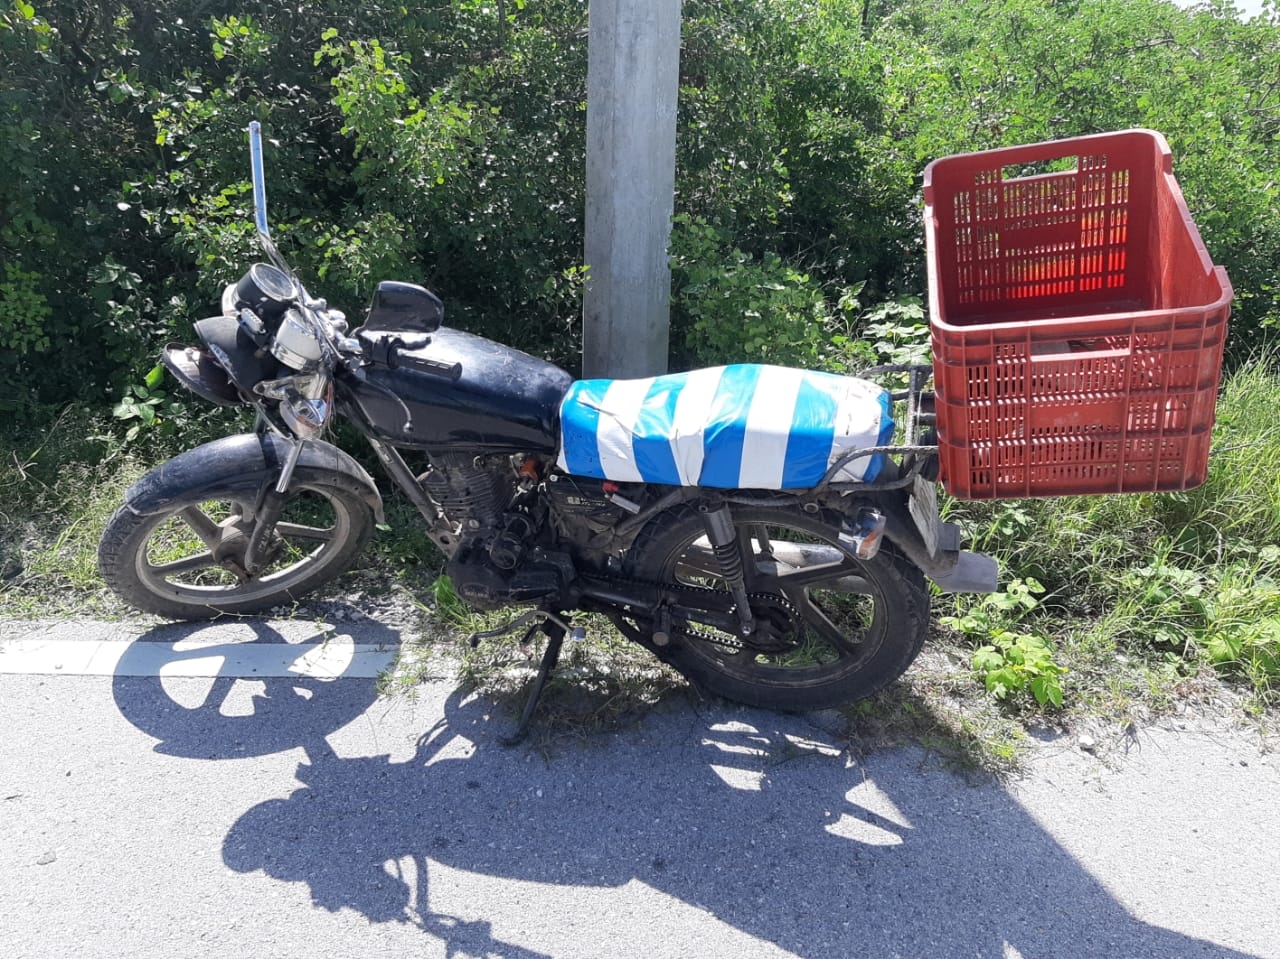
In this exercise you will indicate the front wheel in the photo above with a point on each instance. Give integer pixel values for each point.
(830, 629)
(188, 561)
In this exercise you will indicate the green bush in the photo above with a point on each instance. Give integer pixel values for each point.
(730, 307)
(443, 142)
(24, 311)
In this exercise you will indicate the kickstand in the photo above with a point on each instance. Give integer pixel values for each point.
(551, 655)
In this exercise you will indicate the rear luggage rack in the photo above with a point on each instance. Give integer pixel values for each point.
(915, 455)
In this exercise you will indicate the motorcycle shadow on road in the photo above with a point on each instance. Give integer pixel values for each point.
(758, 819)
(238, 716)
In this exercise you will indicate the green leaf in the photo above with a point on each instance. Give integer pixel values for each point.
(155, 376)
(1039, 689)
(1224, 648)
(987, 658)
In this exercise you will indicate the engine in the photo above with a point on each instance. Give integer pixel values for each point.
(497, 520)
(471, 491)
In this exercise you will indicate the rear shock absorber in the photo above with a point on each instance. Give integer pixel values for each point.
(718, 522)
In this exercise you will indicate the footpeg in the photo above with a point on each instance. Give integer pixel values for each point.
(537, 617)
(662, 626)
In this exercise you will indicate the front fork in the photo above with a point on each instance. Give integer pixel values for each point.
(271, 508)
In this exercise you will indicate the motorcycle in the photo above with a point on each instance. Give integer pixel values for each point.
(753, 526)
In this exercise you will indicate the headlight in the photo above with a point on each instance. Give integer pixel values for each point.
(306, 402)
(295, 343)
(307, 418)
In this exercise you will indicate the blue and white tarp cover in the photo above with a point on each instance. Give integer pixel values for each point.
(731, 427)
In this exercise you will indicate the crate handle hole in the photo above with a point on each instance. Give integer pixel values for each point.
(1049, 167)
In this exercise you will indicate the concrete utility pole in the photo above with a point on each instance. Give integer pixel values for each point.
(633, 79)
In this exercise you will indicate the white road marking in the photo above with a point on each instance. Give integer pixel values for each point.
(337, 657)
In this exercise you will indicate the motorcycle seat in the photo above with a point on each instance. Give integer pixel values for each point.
(746, 426)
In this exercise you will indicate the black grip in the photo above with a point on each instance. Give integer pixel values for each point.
(395, 352)
(450, 371)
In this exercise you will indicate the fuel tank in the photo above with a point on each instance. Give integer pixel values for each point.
(502, 401)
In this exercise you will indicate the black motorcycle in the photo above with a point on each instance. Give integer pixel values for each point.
(755, 527)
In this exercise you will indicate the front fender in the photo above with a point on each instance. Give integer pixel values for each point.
(245, 461)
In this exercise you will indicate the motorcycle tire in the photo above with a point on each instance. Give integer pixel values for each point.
(162, 563)
(847, 634)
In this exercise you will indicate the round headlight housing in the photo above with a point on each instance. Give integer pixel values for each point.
(295, 342)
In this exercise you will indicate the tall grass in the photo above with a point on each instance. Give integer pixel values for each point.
(57, 489)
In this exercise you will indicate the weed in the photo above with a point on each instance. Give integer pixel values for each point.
(1013, 661)
(994, 611)
(449, 607)
(1242, 634)
(1016, 662)
(145, 406)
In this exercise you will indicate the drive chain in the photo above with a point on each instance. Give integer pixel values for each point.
(723, 639)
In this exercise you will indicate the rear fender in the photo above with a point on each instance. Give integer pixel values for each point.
(246, 461)
(912, 525)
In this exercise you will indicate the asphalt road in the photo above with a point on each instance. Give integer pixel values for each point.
(152, 804)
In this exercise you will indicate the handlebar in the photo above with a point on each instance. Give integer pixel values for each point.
(393, 353)
(329, 326)
(449, 371)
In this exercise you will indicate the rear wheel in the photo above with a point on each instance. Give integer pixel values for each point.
(189, 560)
(830, 629)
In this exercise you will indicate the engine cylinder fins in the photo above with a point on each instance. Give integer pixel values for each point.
(470, 495)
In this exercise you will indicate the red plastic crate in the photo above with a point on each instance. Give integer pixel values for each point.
(1077, 321)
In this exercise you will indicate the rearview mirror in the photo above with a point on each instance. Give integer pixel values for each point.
(404, 307)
